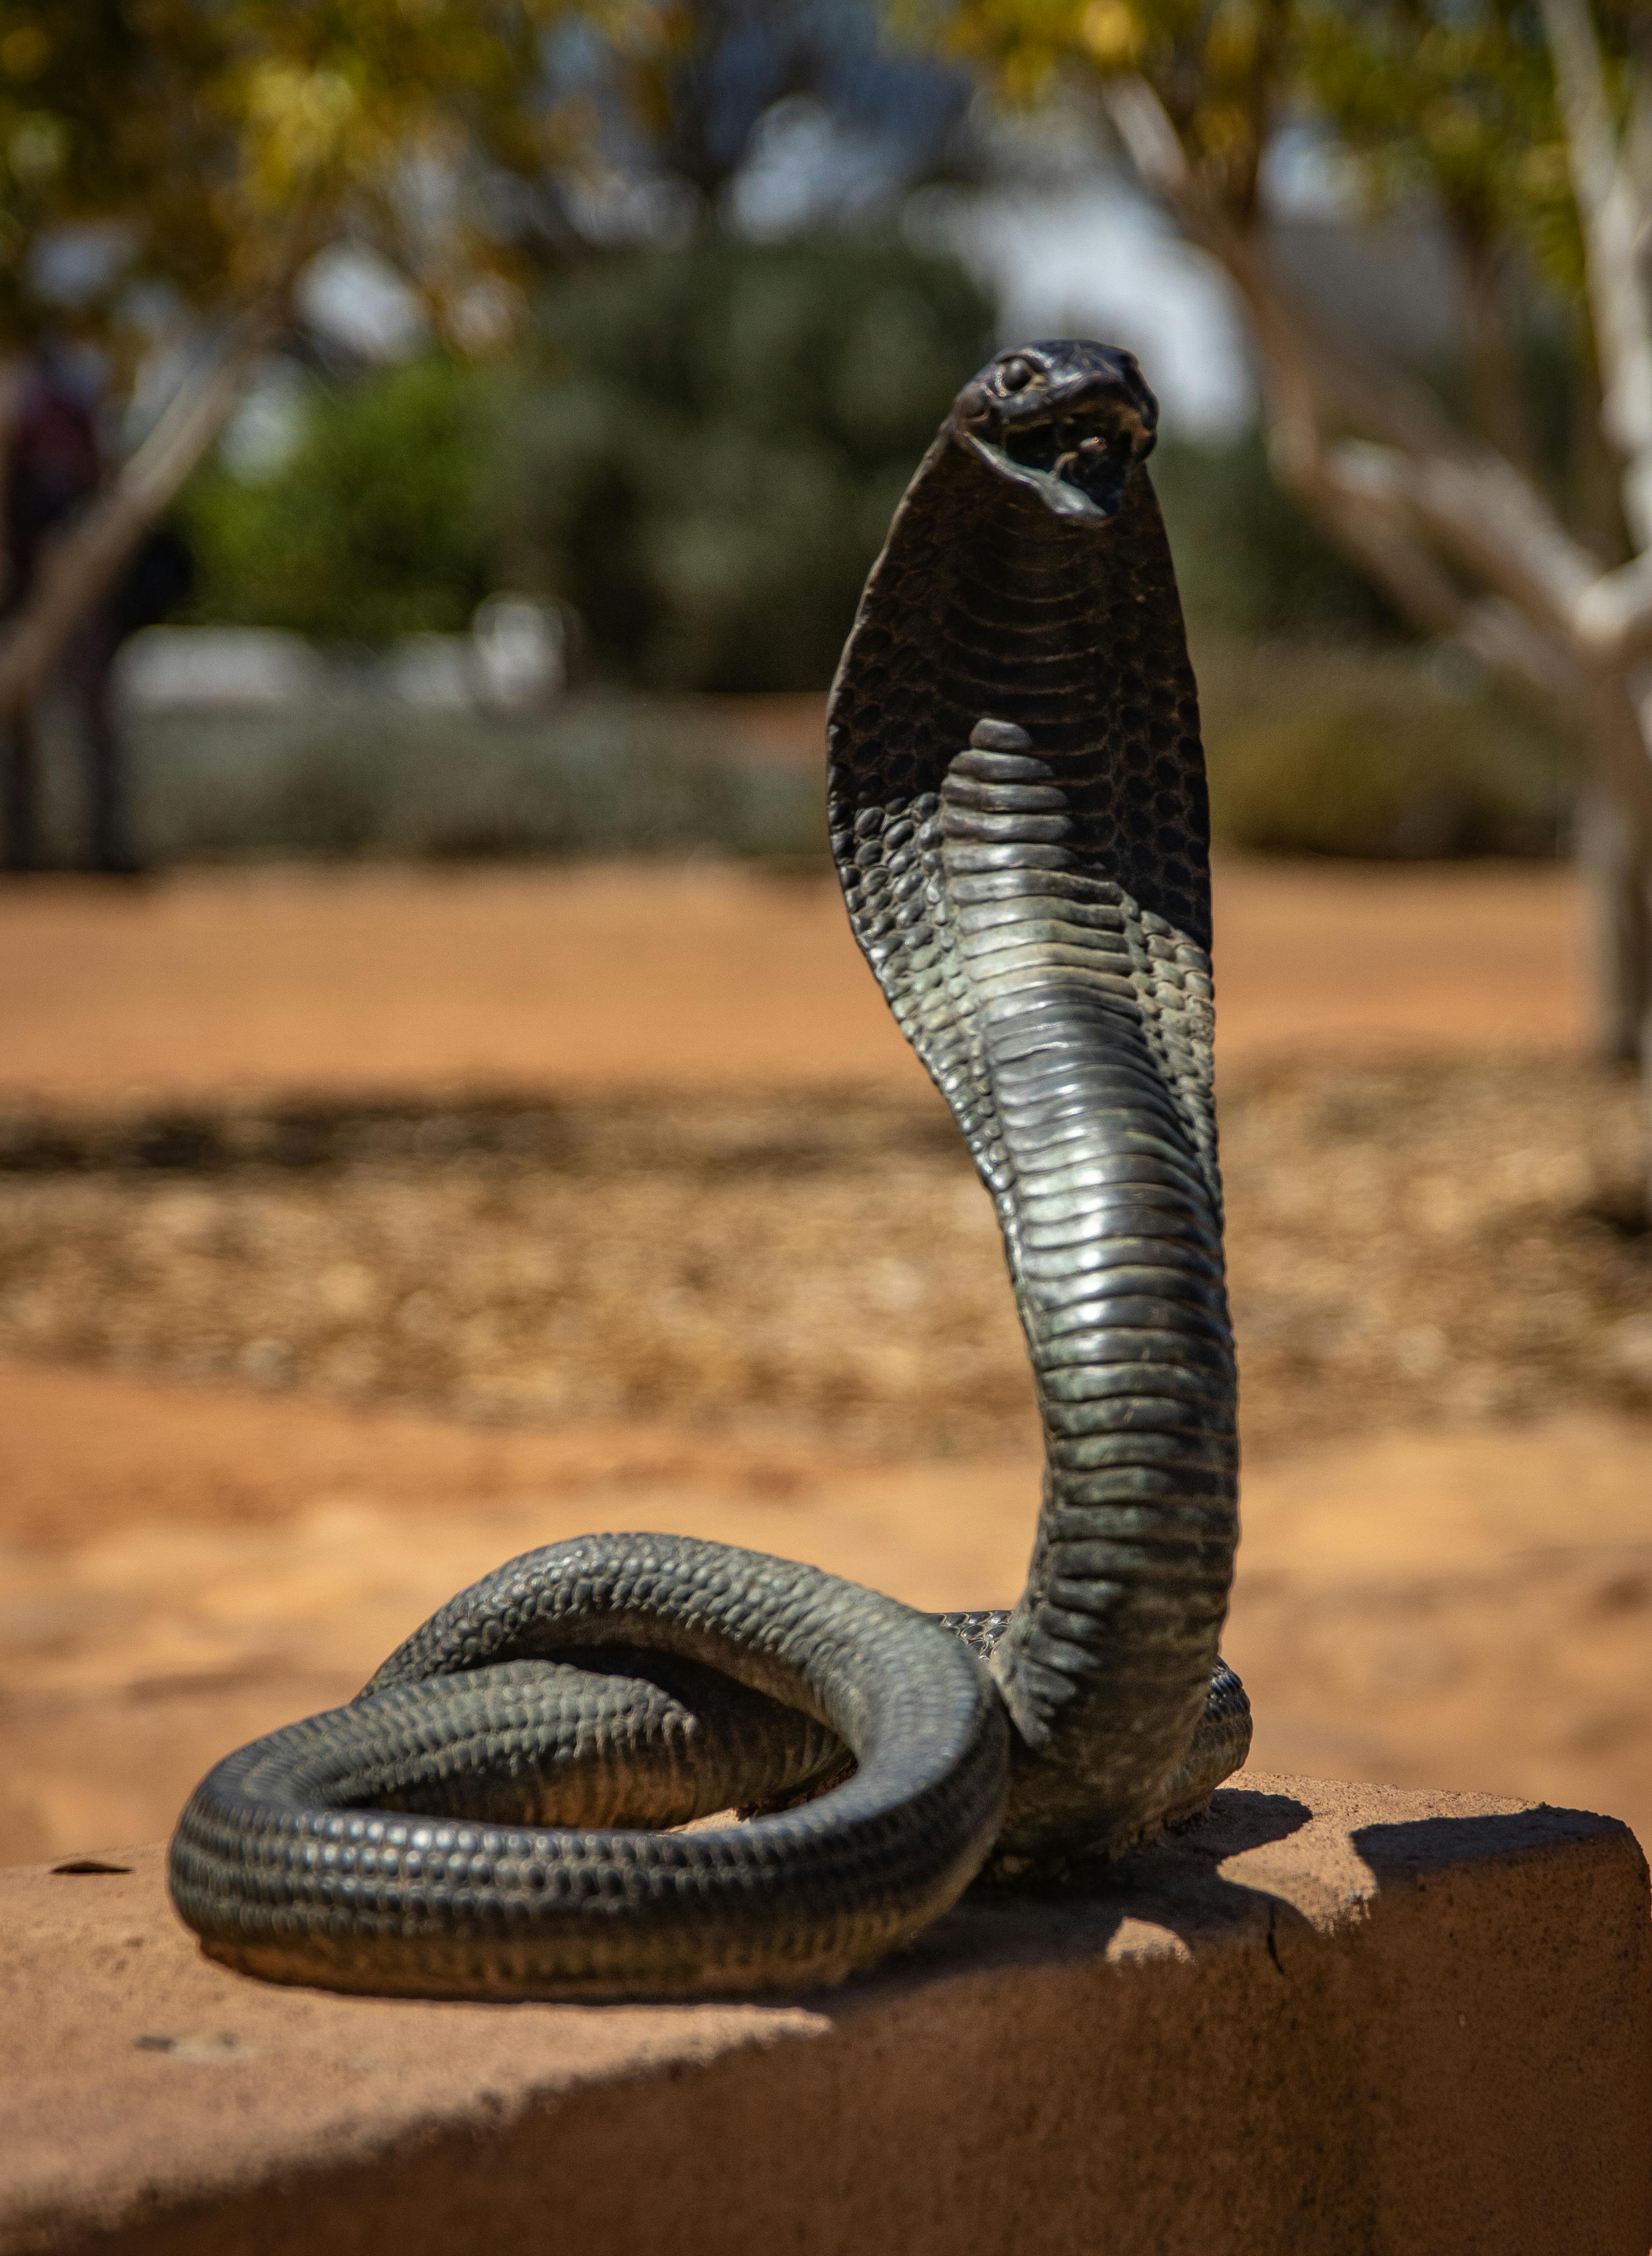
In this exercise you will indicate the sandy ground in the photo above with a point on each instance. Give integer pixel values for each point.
(569, 978)
(181, 1565)
(1458, 1609)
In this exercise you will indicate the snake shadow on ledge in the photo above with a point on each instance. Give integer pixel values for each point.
(1019, 821)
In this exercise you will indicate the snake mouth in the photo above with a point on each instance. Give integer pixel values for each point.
(1075, 470)
(1067, 419)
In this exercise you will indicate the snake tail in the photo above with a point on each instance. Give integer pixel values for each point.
(288, 1865)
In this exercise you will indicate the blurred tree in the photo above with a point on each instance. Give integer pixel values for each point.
(701, 456)
(1527, 127)
(1250, 560)
(199, 153)
(370, 529)
(705, 462)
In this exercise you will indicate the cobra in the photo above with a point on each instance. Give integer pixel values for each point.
(1019, 823)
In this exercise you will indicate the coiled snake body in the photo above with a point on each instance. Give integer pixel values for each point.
(1018, 816)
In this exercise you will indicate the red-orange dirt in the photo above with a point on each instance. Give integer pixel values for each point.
(574, 978)
(1467, 1605)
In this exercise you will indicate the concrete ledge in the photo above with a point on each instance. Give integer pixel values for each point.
(1329, 2019)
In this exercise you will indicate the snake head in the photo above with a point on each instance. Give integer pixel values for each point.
(1066, 418)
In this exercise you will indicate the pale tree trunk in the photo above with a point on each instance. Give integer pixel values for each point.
(1621, 915)
(81, 566)
(1612, 182)
(1460, 537)
(1615, 855)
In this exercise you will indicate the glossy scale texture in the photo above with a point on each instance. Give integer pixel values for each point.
(1019, 821)
(1018, 812)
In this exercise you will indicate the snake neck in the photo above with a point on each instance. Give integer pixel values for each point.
(1091, 1019)
(1019, 820)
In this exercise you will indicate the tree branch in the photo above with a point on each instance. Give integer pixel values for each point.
(1374, 532)
(1610, 207)
(83, 564)
(1484, 513)
(1613, 621)
(1558, 623)
(1388, 405)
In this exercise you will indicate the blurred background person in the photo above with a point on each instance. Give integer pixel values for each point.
(54, 469)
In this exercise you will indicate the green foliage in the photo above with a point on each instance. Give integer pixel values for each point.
(370, 532)
(705, 460)
(701, 458)
(225, 141)
(1456, 96)
(693, 541)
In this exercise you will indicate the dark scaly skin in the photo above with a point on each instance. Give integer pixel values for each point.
(288, 1866)
(1018, 812)
(1018, 816)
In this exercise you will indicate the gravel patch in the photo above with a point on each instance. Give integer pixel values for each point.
(1409, 1243)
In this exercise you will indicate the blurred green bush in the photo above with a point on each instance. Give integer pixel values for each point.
(370, 532)
(705, 458)
(700, 453)
(701, 456)
(1385, 754)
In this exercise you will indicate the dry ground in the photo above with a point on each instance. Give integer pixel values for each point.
(570, 979)
(650, 1220)
(1459, 1608)
(1440, 1239)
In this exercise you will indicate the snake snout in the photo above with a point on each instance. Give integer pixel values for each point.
(1069, 419)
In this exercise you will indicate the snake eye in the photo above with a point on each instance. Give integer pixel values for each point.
(1015, 375)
